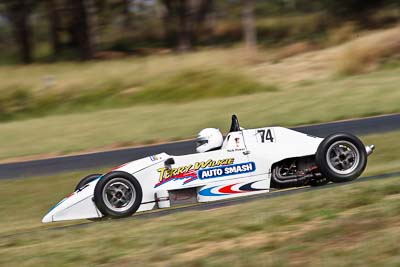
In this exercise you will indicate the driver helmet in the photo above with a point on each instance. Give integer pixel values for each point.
(209, 139)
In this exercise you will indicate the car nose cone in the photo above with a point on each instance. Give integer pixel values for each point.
(47, 218)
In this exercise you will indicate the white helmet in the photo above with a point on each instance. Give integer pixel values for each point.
(208, 139)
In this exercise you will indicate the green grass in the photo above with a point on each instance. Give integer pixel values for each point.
(59, 88)
(194, 85)
(183, 86)
(353, 225)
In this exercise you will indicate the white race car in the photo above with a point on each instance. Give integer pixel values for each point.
(245, 162)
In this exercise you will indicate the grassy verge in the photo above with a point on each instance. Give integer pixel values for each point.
(43, 89)
(347, 226)
(356, 224)
(307, 102)
(183, 86)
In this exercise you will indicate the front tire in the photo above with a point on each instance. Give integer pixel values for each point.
(341, 157)
(118, 194)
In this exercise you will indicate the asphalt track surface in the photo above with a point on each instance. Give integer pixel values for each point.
(25, 169)
(209, 205)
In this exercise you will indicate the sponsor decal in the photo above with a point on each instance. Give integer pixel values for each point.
(224, 190)
(203, 170)
(227, 170)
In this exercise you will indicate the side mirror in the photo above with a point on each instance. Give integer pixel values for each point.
(169, 162)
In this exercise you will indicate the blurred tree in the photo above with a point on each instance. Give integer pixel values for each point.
(353, 9)
(77, 25)
(127, 15)
(185, 32)
(18, 13)
(183, 20)
(53, 12)
(249, 26)
(80, 27)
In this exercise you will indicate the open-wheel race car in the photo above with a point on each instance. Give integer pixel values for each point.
(245, 162)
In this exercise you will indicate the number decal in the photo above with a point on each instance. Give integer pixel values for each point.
(262, 134)
(266, 136)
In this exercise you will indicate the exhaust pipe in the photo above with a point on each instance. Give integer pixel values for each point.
(370, 149)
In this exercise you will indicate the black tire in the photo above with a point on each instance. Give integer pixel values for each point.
(341, 157)
(319, 182)
(86, 180)
(108, 182)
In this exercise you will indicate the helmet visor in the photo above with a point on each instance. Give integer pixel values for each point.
(201, 142)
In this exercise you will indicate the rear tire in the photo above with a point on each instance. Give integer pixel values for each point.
(118, 194)
(341, 157)
(86, 180)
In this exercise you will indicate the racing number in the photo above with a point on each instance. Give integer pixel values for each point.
(266, 135)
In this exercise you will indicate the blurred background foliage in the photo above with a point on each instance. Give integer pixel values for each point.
(63, 56)
(54, 30)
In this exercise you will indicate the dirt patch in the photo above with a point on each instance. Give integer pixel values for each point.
(315, 65)
(297, 66)
(293, 50)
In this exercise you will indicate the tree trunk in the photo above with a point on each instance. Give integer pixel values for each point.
(170, 34)
(249, 27)
(184, 14)
(18, 13)
(183, 20)
(25, 38)
(127, 15)
(93, 24)
(203, 9)
(81, 29)
(55, 24)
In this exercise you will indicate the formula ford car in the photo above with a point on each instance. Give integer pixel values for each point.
(249, 161)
